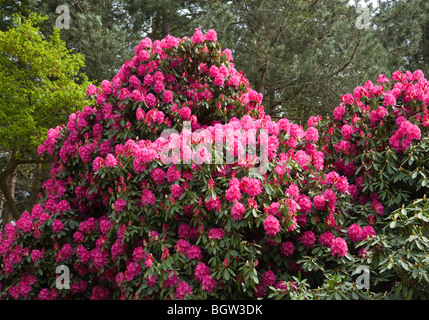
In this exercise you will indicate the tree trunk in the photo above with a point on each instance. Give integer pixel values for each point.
(5, 188)
(166, 26)
(425, 45)
(12, 188)
(262, 72)
(35, 186)
(9, 190)
(155, 27)
(1, 209)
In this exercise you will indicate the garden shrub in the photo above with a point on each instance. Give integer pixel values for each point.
(173, 183)
(378, 137)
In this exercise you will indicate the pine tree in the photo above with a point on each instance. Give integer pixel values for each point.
(288, 49)
(403, 29)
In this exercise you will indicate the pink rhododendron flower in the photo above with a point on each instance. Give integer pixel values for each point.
(111, 161)
(57, 226)
(251, 186)
(368, 232)
(194, 252)
(355, 232)
(198, 36)
(389, 99)
(211, 35)
(120, 205)
(201, 270)
(312, 134)
(339, 247)
(36, 255)
(183, 289)
(237, 211)
(208, 283)
(308, 239)
(319, 202)
(339, 112)
(216, 233)
(271, 226)
(326, 238)
(268, 278)
(92, 90)
(287, 248)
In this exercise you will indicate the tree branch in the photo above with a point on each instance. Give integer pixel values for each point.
(348, 62)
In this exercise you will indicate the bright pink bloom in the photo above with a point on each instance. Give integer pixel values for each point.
(389, 99)
(237, 211)
(347, 131)
(308, 239)
(185, 113)
(63, 206)
(326, 238)
(339, 247)
(271, 225)
(312, 134)
(355, 232)
(139, 254)
(233, 194)
(105, 226)
(293, 191)
(194, 252)
(158, 175)
(252, 187)
(176, 191)
(198, 36)
(173, 174)
(183, 289)
(92, 90)
(368, 232)
(216, 233)
(167, 96)
(339, 112)
(57, 226)
(201, 270)
(211, 35)
(319, 202)
(120, 205)
(171, 279)
(208, 283)
(36, 255)
(304, 203)
(111, 161)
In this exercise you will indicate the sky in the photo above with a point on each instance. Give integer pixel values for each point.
(374, 2)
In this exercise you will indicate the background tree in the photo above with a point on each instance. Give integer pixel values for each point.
(106, 31)
(40, 85)
(291, 49)
(97, 29)
(403, 29)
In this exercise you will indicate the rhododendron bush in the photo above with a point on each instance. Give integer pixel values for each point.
(378, 138)
(173, 183)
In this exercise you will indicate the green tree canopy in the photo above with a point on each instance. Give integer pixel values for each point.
(40, 85)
